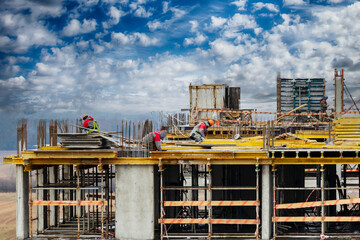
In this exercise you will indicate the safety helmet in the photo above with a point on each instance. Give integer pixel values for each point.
(211, 122)
(84, 116)
(162, 134)
(326, 97)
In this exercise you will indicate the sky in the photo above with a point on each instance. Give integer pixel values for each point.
(122, 58)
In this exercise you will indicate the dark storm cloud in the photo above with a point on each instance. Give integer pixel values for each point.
(47, 2)
(342, 63)
(270, 96)
(346, 63)
(355, 67)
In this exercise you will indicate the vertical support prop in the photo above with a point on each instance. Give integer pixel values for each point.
(322, 201)
(78, 199)
(162, 211)
(257, 199)
(102, 197)
(208, 169)
(274, 201)
(30, 205)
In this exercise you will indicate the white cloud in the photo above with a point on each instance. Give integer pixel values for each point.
(36, 9)
(242, 21)
(75, 27)
(89, 3)
(198, 40)
(240, 4)
(217, 22)
(294, 2)
(154, 25)
(165, 6)
(237, 23)
(226, 51)
(144, 40)
(139, 38)
(116, 14)
(15, 82)
(46, 70)
(269, 6)
(177, 15)
(21, 33)
(194, 25)
(142, 13)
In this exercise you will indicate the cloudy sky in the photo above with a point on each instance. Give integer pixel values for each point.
(122, 57)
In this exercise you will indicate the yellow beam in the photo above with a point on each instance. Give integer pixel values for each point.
(68, 203)
(312, 160)
(70, 154)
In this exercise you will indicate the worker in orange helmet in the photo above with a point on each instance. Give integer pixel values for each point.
(90, 123)
(200, 130)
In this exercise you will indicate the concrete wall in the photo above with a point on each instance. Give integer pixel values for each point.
(22, 203)
(134, 202)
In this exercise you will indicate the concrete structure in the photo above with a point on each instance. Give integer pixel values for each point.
(22, 203)
(266, 203)
(40, 195)
(135, 203)
(209, 190)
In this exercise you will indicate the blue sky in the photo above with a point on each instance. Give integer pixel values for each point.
(121, 58)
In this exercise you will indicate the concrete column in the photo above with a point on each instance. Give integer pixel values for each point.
(22, 203)
(40, 196)
(52, 180)
(266, 202)
(66, 209)
(134, 202)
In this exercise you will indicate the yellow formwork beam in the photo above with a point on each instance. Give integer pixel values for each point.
(310, 161)
(85, 154)
(221, 155)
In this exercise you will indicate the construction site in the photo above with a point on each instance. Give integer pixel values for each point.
(289, 174)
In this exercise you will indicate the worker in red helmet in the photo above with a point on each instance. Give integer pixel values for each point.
(90, 123)
(153, 140)
(199, 131)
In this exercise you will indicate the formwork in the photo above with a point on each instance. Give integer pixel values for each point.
(258, 187)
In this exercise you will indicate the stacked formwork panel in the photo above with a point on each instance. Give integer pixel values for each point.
(212, 96)
(293, 93)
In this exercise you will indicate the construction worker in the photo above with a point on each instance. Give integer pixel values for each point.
(153, 140)
(323, 107)
(90, 123)
(199, 131)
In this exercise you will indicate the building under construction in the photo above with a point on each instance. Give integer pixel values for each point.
(249, 179)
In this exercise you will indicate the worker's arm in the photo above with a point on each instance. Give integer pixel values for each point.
(158, 145)
(202, 132)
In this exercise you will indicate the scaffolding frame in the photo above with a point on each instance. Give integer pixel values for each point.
(208, 203)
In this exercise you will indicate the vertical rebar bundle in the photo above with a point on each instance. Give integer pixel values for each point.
(21, 136)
